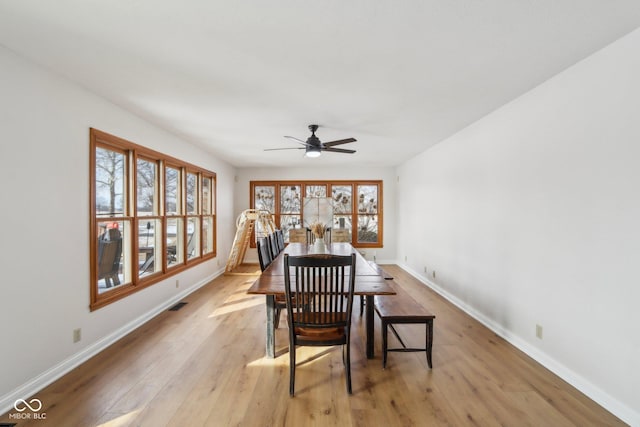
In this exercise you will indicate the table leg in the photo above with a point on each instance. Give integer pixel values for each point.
(271, 330)
(369, 325)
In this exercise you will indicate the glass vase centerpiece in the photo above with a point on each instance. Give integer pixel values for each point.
(318, 230)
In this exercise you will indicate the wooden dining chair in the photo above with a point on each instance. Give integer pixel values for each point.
(319, 294)
(273, 245)
(279, 239)
(264, 253)
(265, 258)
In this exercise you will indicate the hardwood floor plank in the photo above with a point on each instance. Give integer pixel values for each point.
(204, 365)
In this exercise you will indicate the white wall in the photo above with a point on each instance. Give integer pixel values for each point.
(44, 170)
(532, 216)
(387, 175)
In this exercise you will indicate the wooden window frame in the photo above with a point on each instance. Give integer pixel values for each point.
(354, 206)
(133, 152)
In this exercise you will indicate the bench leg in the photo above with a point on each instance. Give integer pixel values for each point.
(429, 342)
(384, 344)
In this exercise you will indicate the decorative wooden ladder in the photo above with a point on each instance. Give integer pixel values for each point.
(245, 225)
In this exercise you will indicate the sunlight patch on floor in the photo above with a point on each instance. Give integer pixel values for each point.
(123, 420)
(231, 307)
(304, 356)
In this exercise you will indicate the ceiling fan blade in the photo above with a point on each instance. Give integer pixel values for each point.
(297, 139)
(338, 142)
(339, 150)
(276, 149)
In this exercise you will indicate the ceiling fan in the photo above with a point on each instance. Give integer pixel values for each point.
(313, 147)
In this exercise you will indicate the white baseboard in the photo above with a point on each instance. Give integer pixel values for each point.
(620, 410)
(44, 379)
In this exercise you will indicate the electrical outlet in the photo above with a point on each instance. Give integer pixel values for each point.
(177, 283)
(405, 258)
(539, 331)
(425, 268)
(433, 274)
(77, 335)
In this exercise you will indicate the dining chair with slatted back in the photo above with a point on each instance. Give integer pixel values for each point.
(279, 239)
(273, 245)
(319, 294)
(266, 258)
(264, 253)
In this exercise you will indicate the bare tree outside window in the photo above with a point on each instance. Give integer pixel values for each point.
(357, 211)
(109, 182)
(146, 187)
(264, 198)
(136, 242)
(192, 188)
(341, 195)
(172, 191)
(290, 199)
(367, 213)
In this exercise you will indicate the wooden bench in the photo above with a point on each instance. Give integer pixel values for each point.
(402, 308)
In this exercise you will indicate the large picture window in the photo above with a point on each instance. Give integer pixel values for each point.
(151, 216)
(357, 206)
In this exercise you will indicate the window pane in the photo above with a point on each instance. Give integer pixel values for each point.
(206, 196)
(175, 241)
(367, 228)
(110, 184)
(341, 195)
(367, 199)
(113, 258)
(192, 193)
(193, 238)
(316, 191)
(290, 199)
(172, 191)
(149, 247)
(264, 198)
(146, 187)
(207, 235)
(342, 221)
(288, 222)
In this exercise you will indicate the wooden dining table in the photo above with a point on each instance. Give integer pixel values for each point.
(368, 283)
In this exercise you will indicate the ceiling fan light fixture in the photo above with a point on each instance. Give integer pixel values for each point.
(312, 152)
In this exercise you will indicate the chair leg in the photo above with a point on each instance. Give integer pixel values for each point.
(361, 305)
(348, 368)
(292, 369)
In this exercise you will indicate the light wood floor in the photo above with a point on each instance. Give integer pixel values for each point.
(203, 366)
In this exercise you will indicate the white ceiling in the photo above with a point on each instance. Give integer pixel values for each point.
(236, 76)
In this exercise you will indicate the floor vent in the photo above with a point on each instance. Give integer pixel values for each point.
(178, 306)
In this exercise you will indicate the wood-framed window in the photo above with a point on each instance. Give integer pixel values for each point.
(152, 216)
(357, 206)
